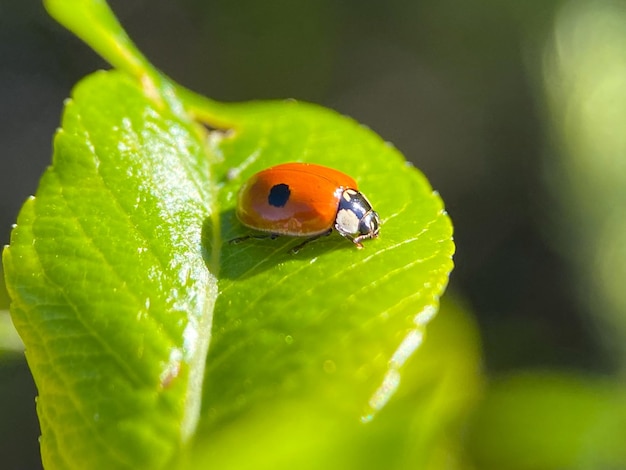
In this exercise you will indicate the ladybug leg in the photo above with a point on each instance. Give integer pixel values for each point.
(265, 236)
(298, 247)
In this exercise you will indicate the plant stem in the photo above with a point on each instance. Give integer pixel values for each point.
(95, 23)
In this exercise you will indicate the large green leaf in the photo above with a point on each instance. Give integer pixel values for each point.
(329, 319)
(120, 271)
(109, 288)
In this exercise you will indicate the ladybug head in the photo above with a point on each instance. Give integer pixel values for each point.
(356, 220)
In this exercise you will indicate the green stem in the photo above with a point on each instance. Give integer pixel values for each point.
(94, 23)
(206, 110)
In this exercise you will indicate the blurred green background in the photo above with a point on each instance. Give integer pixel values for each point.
(515, 111)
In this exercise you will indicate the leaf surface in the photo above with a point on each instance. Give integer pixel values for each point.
(332, 320)
(110, 289)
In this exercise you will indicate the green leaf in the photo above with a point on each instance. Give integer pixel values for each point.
(331, 321)
(110, 290)
(422, 427)
(115, 266)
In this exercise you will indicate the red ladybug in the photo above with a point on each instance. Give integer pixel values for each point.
(306, 200)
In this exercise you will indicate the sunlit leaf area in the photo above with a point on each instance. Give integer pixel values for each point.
(485, 328)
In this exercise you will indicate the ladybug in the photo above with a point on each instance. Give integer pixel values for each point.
(306, 200)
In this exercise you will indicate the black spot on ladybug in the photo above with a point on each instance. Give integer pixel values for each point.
(279, 195)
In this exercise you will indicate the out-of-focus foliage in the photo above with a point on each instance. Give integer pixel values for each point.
(550, 421)
(4, 297)
(9, 339)
(585, 83)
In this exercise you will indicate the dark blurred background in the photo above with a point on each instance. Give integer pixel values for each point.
(477, 94)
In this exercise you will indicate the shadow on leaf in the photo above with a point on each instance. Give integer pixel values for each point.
(254, 256)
